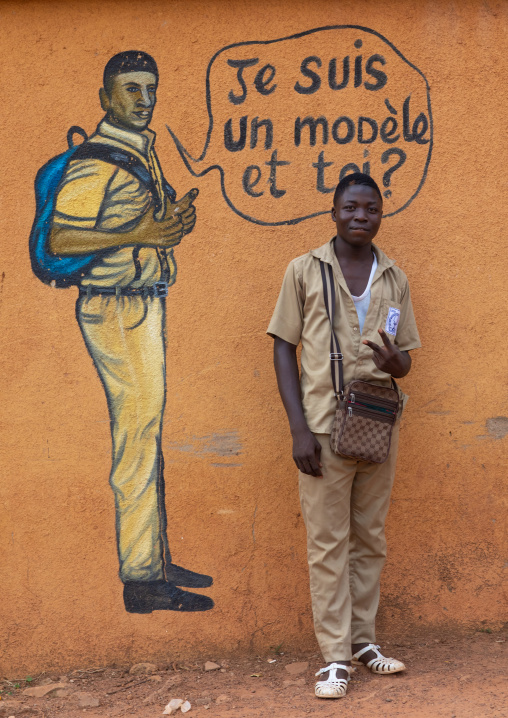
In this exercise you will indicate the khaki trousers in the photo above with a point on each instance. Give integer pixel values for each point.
(344, 513)
(125, 338)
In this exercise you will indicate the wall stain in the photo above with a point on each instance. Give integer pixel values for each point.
(497, 427)
(226, 443)
(224, 464)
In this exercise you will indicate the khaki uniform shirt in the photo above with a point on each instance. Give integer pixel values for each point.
(98, 195)
(300, 315)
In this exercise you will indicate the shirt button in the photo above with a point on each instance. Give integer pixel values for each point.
(355, 329)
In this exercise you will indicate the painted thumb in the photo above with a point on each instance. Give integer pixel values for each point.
(182, 204)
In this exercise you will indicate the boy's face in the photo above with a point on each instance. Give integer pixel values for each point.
(357, 214)
(130, 101)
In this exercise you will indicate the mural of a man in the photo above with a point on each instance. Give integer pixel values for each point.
(130, 218)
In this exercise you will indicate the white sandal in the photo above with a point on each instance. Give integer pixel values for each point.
(380, 664)
(333, 687)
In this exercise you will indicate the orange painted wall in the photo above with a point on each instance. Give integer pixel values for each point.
(231, 485)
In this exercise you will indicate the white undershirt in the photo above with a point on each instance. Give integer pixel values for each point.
(362, 302)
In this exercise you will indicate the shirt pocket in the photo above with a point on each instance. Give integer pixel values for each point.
(390, 317)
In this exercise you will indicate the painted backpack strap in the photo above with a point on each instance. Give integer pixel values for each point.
(126, 161)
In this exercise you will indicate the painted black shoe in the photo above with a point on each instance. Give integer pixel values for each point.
(183, 577)
(148, 596)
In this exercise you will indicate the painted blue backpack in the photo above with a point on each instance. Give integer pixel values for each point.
(65, 271)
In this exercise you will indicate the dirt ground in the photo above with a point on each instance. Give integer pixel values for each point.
(453, 677)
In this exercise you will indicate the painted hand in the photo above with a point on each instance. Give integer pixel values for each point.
(166, 233)
(184, 209)
(388, 357)
(188, 219)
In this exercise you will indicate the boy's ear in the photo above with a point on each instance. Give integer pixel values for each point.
(103, 97)
(333, 214)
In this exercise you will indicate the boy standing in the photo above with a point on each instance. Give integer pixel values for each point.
(344, 501)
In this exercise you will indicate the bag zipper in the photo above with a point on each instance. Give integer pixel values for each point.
(375, 415)
(368, 398)
(373, 407)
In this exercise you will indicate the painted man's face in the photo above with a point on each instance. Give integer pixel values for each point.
(131, 99)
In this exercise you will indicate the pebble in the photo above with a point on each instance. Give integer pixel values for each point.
(222, 699)
(63, 692)
(41, 691)
(87, 700)
(143, 669)
(295, 669)
(211, 666)
(203, 701)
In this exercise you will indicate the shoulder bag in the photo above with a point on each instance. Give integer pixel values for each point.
(366, 413)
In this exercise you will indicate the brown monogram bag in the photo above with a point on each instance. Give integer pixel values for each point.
(366, 413)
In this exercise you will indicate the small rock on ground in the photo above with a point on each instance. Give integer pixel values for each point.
(46, 681)
(211, 666)
(203, 701)
(296, 668)
(298, 682)
(222, 699)
(63, 692)
(87, 700)
(41, 691)
(185, 707)
(143, 669)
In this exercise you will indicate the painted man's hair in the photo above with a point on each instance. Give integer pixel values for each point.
(352, 179)
(129, 61)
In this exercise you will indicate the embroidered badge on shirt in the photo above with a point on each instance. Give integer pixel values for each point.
(392, 321)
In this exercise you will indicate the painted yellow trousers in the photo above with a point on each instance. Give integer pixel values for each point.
(126, 340)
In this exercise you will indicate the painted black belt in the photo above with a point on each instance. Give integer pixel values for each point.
(159, 289)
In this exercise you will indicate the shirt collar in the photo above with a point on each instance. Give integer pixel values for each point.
(327, 254)
(140, 141)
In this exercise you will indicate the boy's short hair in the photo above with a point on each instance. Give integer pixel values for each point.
(129, 61)
(355, 178)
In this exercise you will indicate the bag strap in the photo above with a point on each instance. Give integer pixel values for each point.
(336, 357)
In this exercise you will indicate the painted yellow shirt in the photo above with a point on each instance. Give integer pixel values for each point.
(98, 195)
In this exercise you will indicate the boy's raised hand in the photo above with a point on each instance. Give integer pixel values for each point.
(389, 358)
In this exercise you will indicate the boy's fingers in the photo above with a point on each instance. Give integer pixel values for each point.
(182, 204)
(375, 347)
(316, 471)
(384, 337)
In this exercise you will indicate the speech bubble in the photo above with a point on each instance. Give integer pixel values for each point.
(288, 118)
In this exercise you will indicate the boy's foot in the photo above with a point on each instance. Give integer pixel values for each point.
(370, 656)
(335, 683)
(148, 596)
